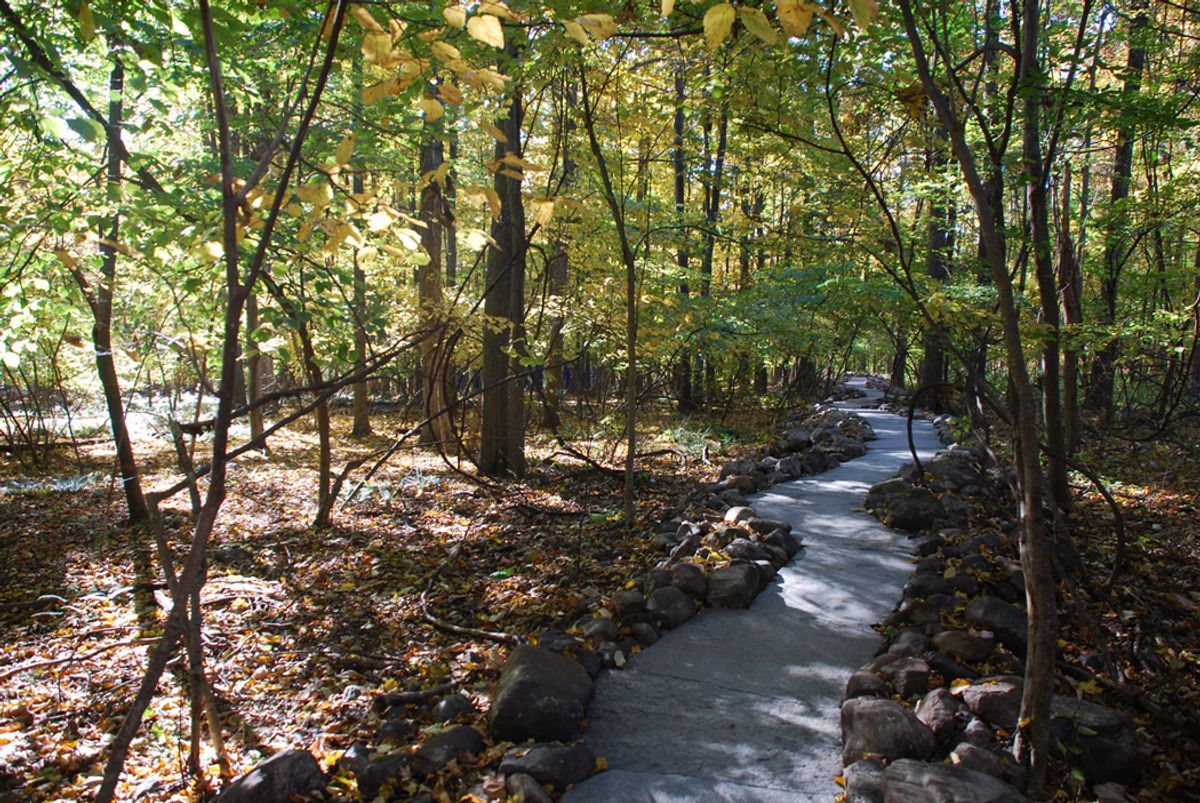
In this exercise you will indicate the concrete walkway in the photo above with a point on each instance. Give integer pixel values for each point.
(744, 705)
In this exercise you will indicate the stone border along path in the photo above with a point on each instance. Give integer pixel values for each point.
(744, 706)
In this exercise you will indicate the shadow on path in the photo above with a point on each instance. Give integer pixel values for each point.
(744, 705)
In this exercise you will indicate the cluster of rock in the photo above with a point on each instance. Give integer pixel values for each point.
(932, 716)
(715, 551)
(540, 702)
(814, 445)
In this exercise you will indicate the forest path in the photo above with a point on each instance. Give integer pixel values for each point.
(744, 706)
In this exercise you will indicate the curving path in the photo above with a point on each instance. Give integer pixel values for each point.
(744, 705)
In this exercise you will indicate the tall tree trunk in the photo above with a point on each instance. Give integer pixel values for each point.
(450, 195)
(429, 284)
(102, 310)
(617, 210)
(254, 370)
(714, 165)
(193, 569)
(557, 267)
(899, 359)
(1070, 289)
(1033, 740)
(1100, 391)
(361, 399)
(1037, 193)
(502, 429)
(683, 379)
(939, 241)
(1194, 355)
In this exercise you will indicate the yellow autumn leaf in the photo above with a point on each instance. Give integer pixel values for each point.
(493, 79)
(344, 149)
(499, 9)
(366, 19)
(600, 26)
(409, 239)
(958, 684)
(477, 238)
(512, 160)
(455, 16)
(757, 23)
(211, 251)
(831, 20)
(445, 51)
(576, 32)
(478, 194)
(667, 7)
(317, 193)
(718, 22)
(377, 47)
(450, 94)
(543, 211)
(486, 29)
(66, 258)
(794, 15)
(493, 131)
(432, 109)
(377, 91)
(378, 221)
(864, 11)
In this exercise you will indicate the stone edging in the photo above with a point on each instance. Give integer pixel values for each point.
(933, 714)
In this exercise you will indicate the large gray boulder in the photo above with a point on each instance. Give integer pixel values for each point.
(540, 696)
(996, 700)
(999, 764)
(939, 710)
(554, 764)
(1099, 740)
(908, 781)
(883, 729)
(393, 769)
(1006, 621)
(864, 782)
(733, 586)
(962, 645)
(903, 506)
(277, 780)
(669, 607)
(440, 750)
(690, 579)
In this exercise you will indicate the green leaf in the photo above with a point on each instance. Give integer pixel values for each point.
(87, 128)
(87, 23)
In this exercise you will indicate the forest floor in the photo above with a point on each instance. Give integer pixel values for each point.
(1143, 635)
(303, 625)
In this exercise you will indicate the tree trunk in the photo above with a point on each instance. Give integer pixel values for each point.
(429, 283)
(362, 399)
(617, 210)
(1033, 741)
(1100, 391)
(557, 269)
(1037, 194)
(254, 370)
(683, 375)
(938, 243)
(102, 310)
(1070, 288)
(502, 430)
(714, 163)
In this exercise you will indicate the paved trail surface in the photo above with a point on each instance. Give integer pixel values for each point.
(743, 706)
